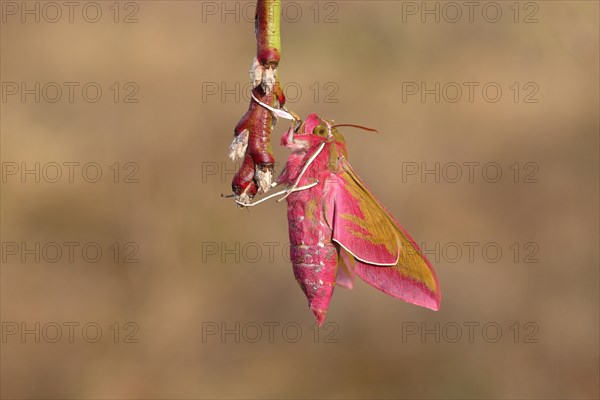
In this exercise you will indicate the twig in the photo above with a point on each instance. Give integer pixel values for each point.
(252, 135)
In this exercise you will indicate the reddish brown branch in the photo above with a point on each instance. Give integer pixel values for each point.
(252, 135)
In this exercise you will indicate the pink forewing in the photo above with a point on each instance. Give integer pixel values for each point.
(357, 233)
(386, 256)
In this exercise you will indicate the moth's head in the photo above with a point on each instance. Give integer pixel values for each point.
(315, 126)
(313, 130)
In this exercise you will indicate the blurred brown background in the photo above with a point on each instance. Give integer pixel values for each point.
(211, 308)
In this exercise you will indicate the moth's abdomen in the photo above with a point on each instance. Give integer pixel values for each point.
(315, 269)
(312, 252)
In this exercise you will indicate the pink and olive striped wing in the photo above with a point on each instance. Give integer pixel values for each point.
(386, 256)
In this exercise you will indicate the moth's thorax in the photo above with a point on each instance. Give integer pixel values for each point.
(297, 160)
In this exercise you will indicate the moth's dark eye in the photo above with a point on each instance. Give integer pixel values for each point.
(320, 130)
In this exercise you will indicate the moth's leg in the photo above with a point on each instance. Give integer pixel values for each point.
(281, 113)
(288, 138)
(296, 117)
(301, 188)
(261, 200)
(297, 189)
(310, 160)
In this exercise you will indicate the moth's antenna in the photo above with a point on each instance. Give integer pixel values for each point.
(356, 126)
(227, 196)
